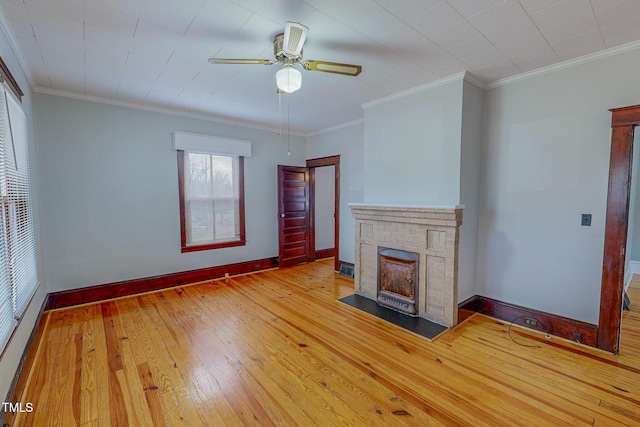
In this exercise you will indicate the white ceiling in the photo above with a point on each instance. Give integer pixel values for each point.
(154, 53)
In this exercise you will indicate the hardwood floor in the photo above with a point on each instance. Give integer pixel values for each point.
(277, 348)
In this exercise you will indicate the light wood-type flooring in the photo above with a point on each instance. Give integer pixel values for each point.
(277, 348)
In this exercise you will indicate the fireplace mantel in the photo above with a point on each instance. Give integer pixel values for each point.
(430, 231)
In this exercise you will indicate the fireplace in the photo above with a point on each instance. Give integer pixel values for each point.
(423, 251)
(398, 280)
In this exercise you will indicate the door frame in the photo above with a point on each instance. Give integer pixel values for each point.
(623, 123)
(312, 164)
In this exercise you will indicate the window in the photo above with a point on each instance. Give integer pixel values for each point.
(211, 191)
(18, 274)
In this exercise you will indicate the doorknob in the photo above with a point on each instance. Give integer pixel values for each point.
(281, 215)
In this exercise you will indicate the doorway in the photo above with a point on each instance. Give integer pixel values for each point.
(623, 123)
(316, 168)
(297, 211)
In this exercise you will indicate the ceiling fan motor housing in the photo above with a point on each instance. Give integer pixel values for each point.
(278, 49)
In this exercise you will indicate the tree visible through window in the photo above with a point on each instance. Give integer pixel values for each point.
(211, 200)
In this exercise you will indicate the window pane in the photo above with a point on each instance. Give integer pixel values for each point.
(223, 193)
(212, 189)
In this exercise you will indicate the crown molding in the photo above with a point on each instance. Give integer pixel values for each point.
(629, 47)
(161, 110)
(334, 128)
(15, 47)
(464, 75)
(415, 90)
(474, 80)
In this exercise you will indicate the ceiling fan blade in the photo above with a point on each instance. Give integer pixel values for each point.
(294, 36)
(241, 61)
(333, 67)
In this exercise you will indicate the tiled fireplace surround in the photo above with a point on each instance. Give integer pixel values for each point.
(430, 231)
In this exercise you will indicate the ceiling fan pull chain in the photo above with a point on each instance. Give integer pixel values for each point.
(279, 112)
(288, 131)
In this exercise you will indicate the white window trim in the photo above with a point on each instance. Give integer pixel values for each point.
(207, 144)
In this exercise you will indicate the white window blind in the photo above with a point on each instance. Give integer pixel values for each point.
(18, 277)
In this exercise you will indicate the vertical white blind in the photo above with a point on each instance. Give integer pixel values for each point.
(18, 277)
(7, 319)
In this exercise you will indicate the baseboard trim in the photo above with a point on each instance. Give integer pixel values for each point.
(19, 382)
(553, 324)
(137, 286)
(325, 253)
(634, 268)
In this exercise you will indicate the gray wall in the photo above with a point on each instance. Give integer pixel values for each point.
(633, 243)
(325, 191)
(412, 144)
(110, 192)
(545, 162)
(633, 206)
(348, 143)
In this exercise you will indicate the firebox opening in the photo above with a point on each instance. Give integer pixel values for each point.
(398, 280)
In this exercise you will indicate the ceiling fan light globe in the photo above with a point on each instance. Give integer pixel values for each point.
(289, 79)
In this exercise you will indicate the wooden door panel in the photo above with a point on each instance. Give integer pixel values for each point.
(296, 251)
(293, 215)
(294, 237)
(290, 175)
(298, 207)
(297, 191)
(295, 222)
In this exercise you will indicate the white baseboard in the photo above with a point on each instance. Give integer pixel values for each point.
(634, 268)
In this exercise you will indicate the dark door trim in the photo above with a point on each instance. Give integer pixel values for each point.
(316, 163)
(623, 122)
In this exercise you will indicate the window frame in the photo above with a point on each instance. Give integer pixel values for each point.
(18, 253)
(183, 226)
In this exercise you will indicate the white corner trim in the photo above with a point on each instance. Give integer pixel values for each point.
(629, 47)
(15, 47)
(210, 144)
(475, 81)
(403, 94)
(634, 268)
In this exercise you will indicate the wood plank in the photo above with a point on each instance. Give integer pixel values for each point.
(277, 348)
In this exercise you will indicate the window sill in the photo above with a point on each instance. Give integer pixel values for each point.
(209, 246)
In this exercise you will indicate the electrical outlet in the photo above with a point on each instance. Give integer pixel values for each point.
(530, 322)
(586, 220)
(226, 274)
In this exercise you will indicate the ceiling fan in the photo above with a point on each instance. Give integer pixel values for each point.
(287, 49)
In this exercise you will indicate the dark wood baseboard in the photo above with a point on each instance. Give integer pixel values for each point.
(130, 287)
(325, 253)
(574, 330)
(16, 389)
(467, 308)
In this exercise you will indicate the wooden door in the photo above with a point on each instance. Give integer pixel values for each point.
(293, 215)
